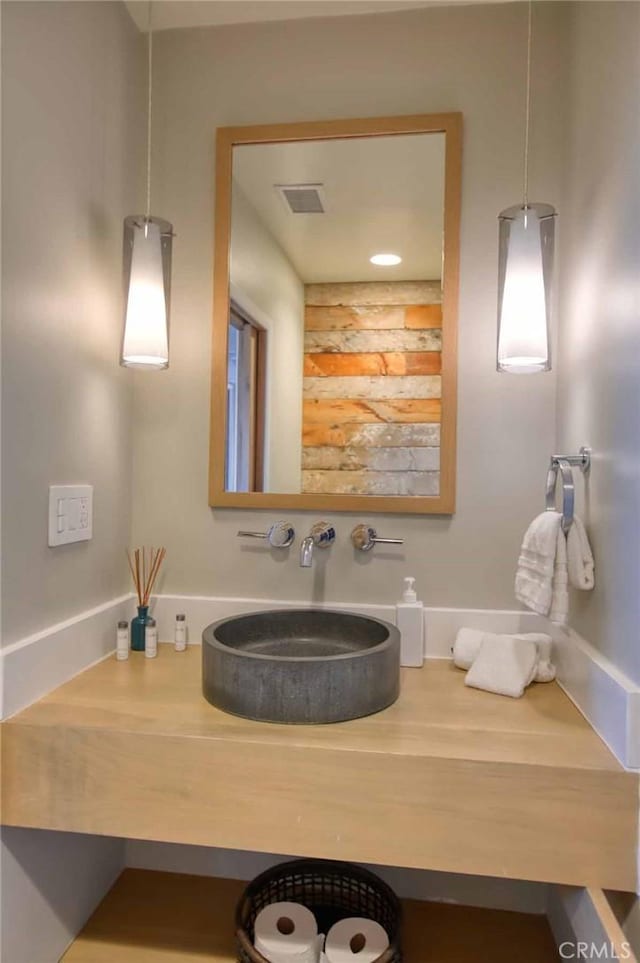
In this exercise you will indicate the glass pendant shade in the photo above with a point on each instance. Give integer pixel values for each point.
(524, 288)
(147, 279)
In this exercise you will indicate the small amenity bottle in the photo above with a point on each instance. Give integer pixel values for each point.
(180, 633)
(122, 641)
(151, 639)
(410, 622)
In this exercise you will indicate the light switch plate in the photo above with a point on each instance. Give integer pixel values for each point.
(70, 514)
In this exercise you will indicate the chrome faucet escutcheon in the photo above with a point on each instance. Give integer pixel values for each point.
(322, 535)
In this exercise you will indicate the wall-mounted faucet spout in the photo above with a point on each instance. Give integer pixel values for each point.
(306, 552)
(322, 534)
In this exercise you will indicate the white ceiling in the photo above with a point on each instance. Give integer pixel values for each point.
(382, 195)
(171, 14)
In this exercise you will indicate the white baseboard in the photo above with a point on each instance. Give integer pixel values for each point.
(441, 624)
(39, 663)
(606, 696)
(34, 666)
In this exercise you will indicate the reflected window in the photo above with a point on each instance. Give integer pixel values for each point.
(245, 403)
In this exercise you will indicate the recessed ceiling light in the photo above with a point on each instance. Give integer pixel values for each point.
(386, 260)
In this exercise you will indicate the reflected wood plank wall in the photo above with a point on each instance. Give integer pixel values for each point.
(372, 388)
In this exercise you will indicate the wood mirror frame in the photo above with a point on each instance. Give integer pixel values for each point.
(229, 137)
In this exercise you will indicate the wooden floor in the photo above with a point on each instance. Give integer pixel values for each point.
(153, 917)
(471, 782)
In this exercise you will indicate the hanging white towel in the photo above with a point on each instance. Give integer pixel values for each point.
(580, 557)
(559, 611)
(504, 665)
(541, 577)
(468, 641)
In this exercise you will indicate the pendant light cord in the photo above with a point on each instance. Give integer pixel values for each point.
(527, 113)
(149, 103)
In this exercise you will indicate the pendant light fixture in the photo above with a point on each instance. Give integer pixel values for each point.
(147, 272)
(524, 271)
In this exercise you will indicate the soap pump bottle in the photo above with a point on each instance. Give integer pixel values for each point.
(410, 622)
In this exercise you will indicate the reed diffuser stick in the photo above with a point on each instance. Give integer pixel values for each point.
(145, 568)
(138, 577)
(153, 574)
(132, 570)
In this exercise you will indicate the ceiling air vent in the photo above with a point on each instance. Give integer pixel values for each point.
(302, 198)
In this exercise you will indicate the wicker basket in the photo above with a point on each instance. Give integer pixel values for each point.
(331, 890)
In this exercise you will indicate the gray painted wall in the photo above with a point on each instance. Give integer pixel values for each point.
(71, 162)
(71, 166)
(469, 59)
(599, 357)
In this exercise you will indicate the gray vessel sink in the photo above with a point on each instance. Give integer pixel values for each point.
(305, 666)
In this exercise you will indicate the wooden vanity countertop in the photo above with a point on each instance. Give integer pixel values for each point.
(449, 778)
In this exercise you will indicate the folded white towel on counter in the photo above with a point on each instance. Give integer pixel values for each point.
(468, 641)
(580, 557)
(504, 664)
(542, 574)
(545, 669)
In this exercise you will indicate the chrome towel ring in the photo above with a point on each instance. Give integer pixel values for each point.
(564, 464)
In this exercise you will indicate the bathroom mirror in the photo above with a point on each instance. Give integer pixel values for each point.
(335, 301)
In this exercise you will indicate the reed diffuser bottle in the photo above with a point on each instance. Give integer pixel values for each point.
(138, 629)
(144, 566)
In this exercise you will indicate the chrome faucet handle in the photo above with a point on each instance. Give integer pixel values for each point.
(323, 534)
(364, 537)
(279, 535)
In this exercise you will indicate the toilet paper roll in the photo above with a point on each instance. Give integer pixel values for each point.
(355, 940)
(286, 933)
